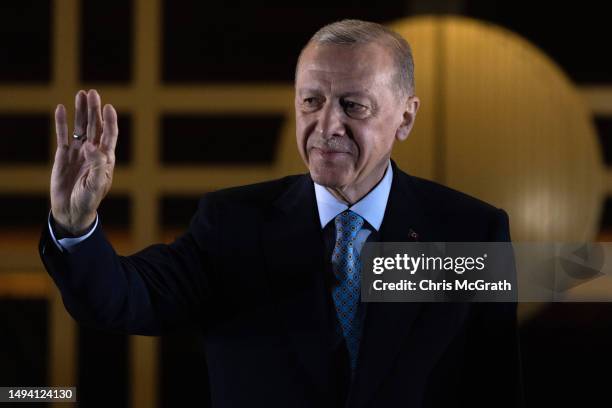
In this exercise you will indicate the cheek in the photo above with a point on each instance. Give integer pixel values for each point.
(366, 140)
(373, 144)
(299, 128)
(301, 135)
(304, 126)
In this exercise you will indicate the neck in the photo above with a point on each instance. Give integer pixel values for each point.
(353, 193)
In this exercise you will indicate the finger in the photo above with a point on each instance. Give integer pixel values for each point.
(111, 130)
(61, 127)
(80, 113)
(94, 117)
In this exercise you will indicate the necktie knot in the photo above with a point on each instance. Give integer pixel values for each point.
(348, 225)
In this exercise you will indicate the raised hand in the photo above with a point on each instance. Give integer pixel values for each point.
(83, 169)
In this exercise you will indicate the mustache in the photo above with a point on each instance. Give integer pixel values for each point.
(333, 144)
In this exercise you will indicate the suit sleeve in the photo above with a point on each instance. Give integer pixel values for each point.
(494, 375)
(158, 289)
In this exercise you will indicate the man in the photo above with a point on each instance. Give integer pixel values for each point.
(263, 270)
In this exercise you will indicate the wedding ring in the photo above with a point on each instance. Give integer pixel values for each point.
(79, 137)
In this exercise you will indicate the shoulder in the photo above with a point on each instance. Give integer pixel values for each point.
(439, 198)
(461, 216)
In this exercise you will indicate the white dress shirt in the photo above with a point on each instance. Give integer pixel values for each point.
(371, 207)
(69, 243)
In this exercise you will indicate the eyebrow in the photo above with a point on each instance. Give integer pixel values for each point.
(309, 90)
(344, 95)
(358, 93)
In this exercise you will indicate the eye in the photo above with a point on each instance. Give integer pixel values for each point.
(353, 105)
(311, 103)
(355, 109)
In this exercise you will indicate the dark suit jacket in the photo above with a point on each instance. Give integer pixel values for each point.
(251, 275)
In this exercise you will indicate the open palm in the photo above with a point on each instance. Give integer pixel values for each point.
(83, 170)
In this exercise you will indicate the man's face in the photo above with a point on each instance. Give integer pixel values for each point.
(348, 113)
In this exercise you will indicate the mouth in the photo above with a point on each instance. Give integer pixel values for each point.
(329, 153)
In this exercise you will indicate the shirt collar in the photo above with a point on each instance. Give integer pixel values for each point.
(371, 207)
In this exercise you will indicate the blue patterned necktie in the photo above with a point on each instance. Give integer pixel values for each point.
(345, 261)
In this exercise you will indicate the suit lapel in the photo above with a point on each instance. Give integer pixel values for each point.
(387, 324)
(293, 247)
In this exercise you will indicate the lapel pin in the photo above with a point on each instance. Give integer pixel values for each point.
(413, 234)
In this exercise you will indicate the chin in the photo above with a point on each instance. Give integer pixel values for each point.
(331, 173)
(329, 177)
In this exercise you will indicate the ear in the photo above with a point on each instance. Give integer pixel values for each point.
(409, 115)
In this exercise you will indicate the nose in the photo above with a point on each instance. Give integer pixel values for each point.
(331, 122)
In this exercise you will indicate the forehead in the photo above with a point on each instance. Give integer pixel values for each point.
(355, 67)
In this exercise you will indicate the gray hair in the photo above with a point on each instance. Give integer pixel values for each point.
(349, 32)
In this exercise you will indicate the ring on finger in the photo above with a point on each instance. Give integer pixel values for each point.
(79, 137)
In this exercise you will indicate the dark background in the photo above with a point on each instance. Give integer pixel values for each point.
(565, 347)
